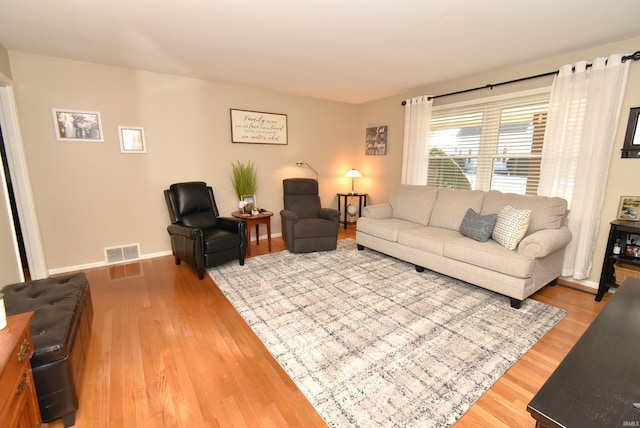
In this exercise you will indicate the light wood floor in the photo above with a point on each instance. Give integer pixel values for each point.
(168, 350)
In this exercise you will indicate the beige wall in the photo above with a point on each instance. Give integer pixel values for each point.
(624, 174)
(5, 69)
(90, 196)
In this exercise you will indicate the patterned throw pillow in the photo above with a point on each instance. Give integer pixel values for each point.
(511, 226)
(478, 227)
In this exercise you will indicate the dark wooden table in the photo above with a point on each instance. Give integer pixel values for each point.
(361, 197)
(598, 382)
(620, 230)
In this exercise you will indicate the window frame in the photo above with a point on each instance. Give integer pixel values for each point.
(487, 146)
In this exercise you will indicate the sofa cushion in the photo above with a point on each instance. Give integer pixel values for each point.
(428, 239)
(191, 197)
(413, 203)
(201, 220)
(384, 228)
(451, 206)
(511, 226)
(546, 213)
(489, 255)
(478, 227)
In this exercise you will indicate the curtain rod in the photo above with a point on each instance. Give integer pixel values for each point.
(634, 57)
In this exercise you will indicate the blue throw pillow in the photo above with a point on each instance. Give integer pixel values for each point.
(478, 227)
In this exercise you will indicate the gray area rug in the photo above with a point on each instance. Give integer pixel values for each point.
(371, 342)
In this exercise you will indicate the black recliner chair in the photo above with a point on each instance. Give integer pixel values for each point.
(199, 236)
(306, 226)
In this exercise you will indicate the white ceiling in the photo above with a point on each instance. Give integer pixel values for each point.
(345, 50)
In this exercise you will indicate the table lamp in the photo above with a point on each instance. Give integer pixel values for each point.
(353, 174)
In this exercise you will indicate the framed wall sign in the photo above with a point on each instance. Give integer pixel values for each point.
(376, 141)
(75, 125)
(631, 147)
(132, 139)
(256, 127)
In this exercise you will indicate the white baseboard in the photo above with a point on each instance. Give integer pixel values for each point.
(583, 282)
(76, 268)
(103, 263)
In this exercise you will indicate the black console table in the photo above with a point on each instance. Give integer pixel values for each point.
(598, 382)
(620, 230)
(361, 197)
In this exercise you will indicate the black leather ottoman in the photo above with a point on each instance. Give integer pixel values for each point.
(61, 330)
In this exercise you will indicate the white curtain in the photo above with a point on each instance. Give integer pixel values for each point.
(417, 121)
(584, 111)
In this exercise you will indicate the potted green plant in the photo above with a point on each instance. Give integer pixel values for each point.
(244, 178)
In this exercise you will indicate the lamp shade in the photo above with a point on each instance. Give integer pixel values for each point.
(353, 173)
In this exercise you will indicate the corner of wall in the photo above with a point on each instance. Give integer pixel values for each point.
(5, 66)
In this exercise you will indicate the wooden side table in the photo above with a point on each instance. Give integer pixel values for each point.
(18, 400)
(361, 197)
(256, 220)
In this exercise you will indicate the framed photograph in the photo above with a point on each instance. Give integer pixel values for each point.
(376, 141)
(251, 202)
(633, 251)
(629, 208)
(132, 139)
(256, 127)
(75, 125)
(631, 147)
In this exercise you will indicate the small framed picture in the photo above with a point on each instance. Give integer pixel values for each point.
(633, 251)
(629, 208)
(251, 202)
(132, 139)
(76, 125)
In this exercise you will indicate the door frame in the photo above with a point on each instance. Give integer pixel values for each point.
(21, 183)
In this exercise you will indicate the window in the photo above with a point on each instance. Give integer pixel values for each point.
(494, 145)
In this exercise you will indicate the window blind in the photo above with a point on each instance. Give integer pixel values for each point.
(493, 145)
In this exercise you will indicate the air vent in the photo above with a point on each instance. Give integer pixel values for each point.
(121, 254)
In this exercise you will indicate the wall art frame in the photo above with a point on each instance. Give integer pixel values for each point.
(629, 208)
(132, 139)
(376, 141)
(257, 127)
(78, 125)
(631, 146)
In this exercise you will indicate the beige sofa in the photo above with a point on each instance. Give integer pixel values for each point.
(422, 225)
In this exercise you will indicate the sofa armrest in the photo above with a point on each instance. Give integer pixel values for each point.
(234, 225)
(544, 242)
(184, 231)
(329, 214)
(288, 215)
(378, 211)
